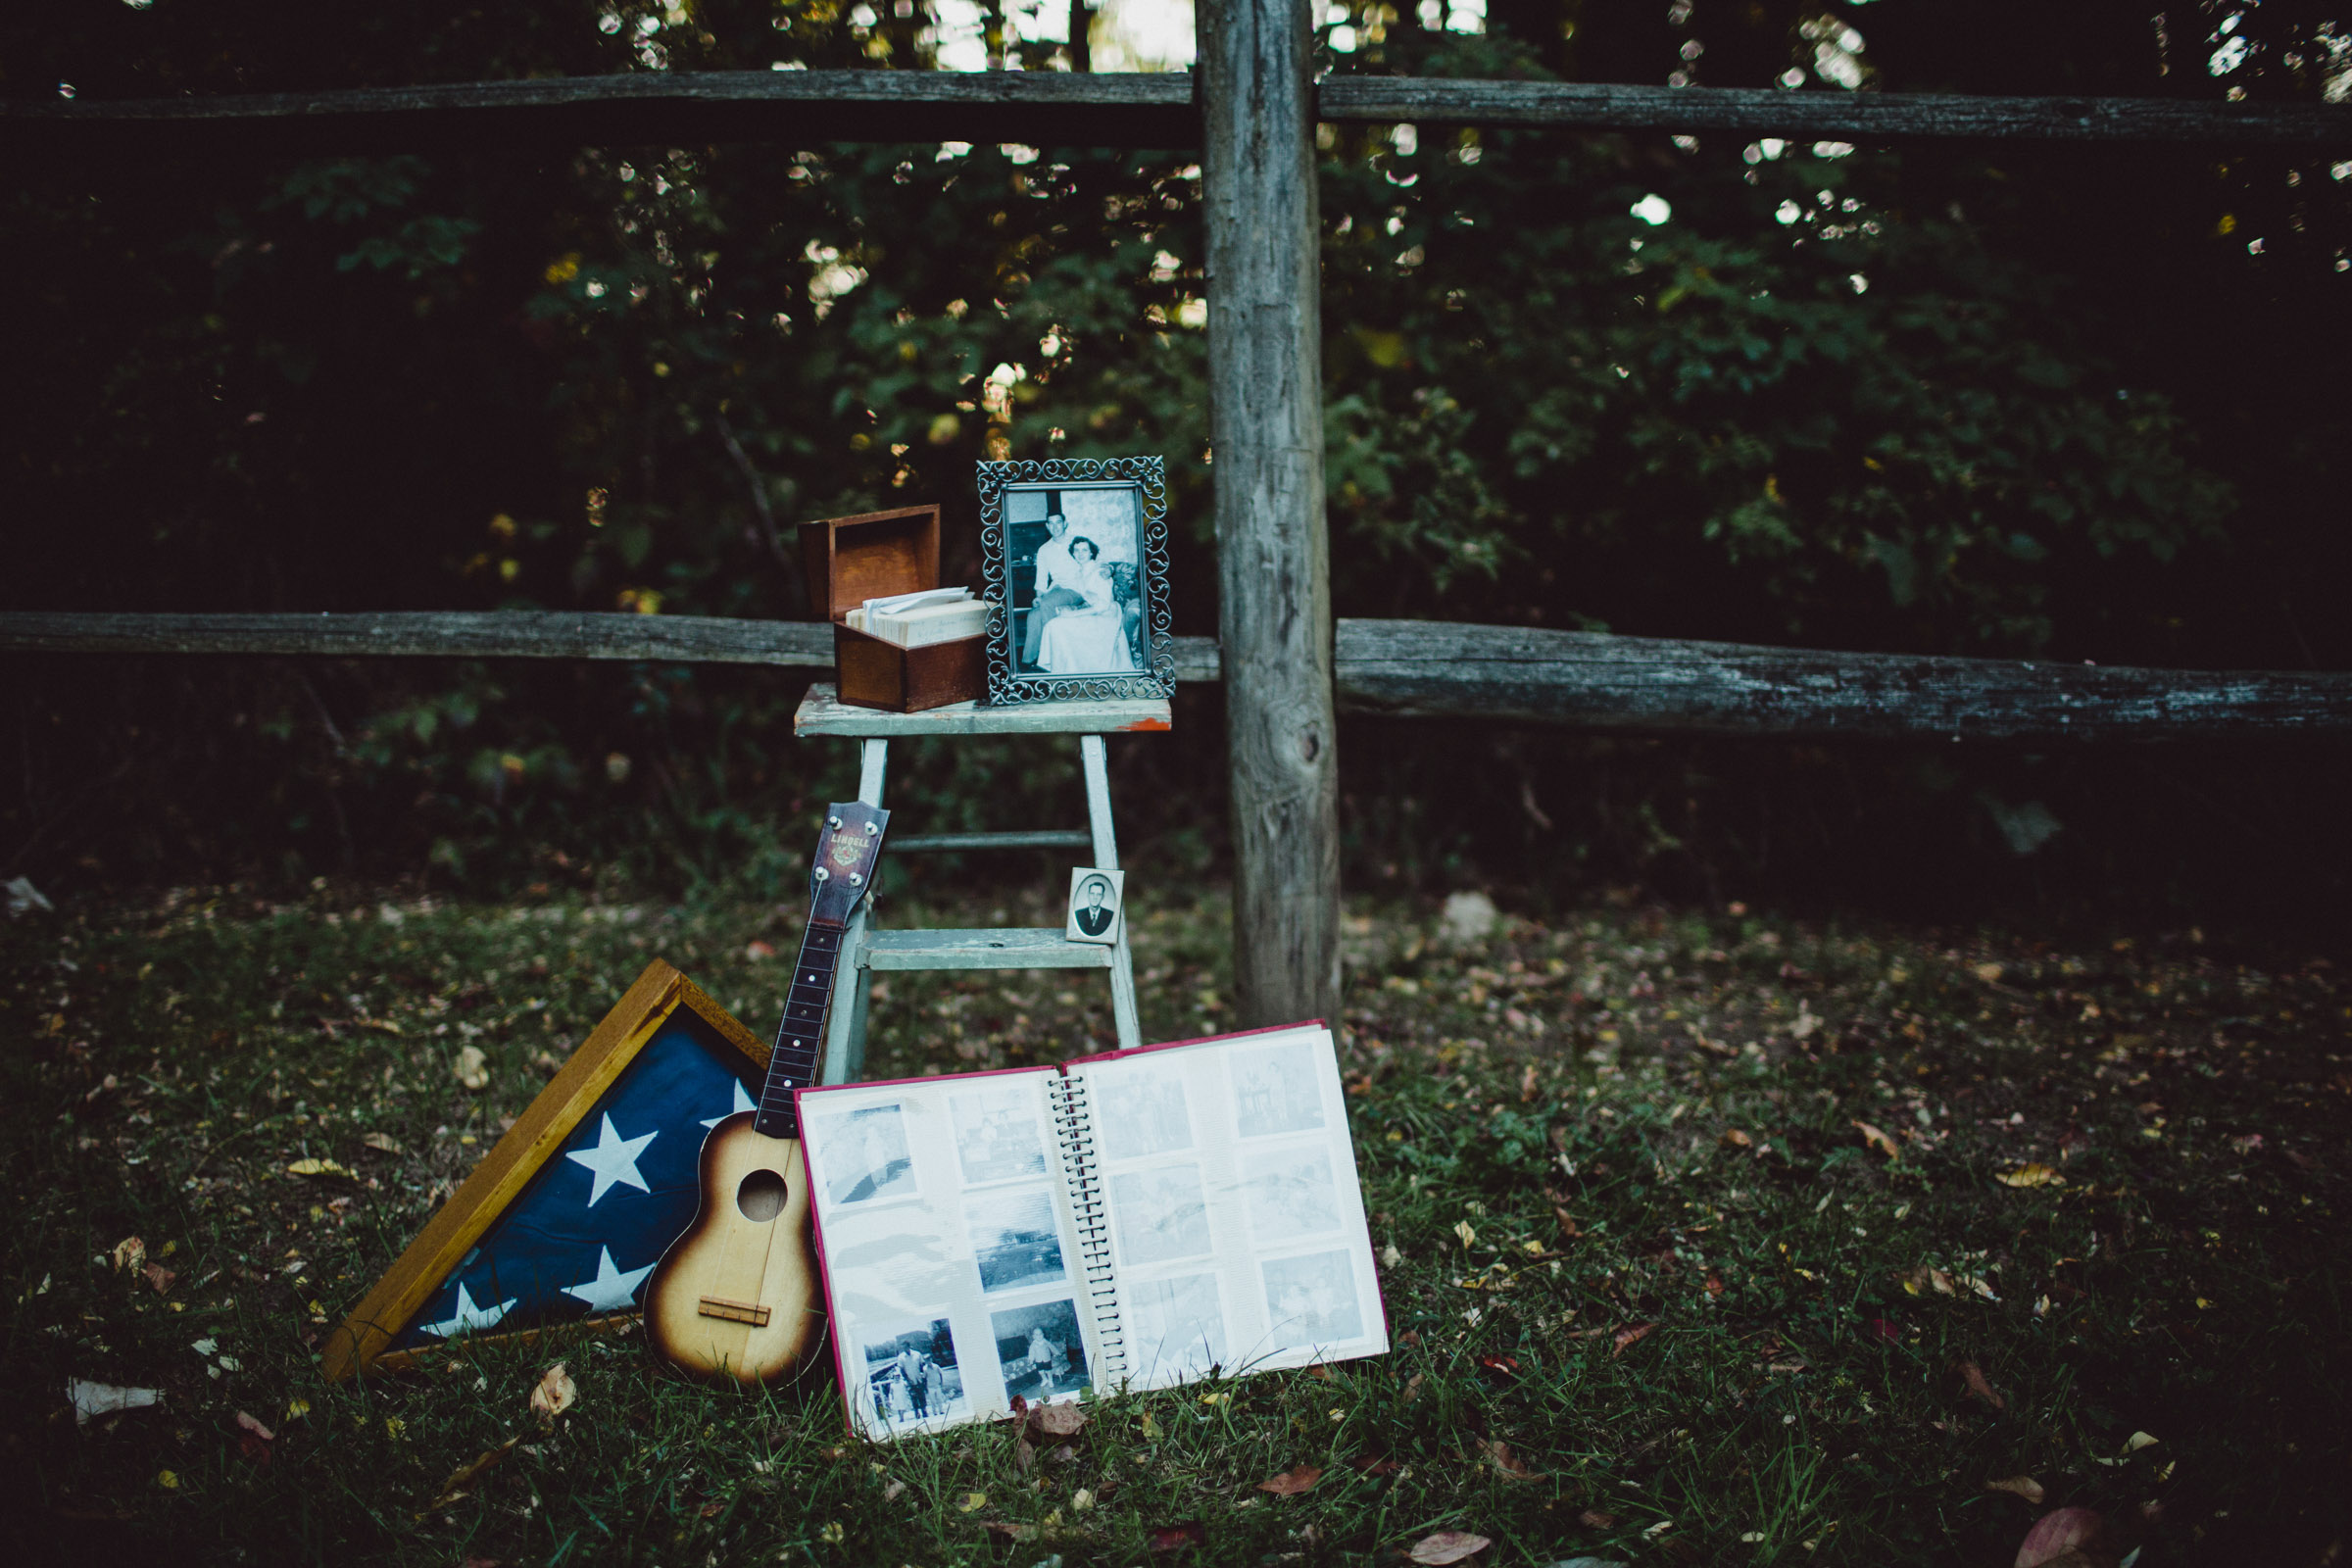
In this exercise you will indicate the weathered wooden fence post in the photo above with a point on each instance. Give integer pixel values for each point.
(1257, 106)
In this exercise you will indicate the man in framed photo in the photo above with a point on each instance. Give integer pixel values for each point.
(1095, 916)
(1051, 592)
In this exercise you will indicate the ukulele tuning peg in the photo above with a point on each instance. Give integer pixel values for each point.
(857, 880)
(833, 823)
(822, 875)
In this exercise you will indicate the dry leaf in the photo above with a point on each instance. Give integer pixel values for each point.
(2065, 1539)
(1878, 1140)
(971, 1501)
(1505, 1366)
(1714, 1283)
(1509, 1463)
(1008, 1530)
(555, 1393)
(1595, 1519)
(2033, 1175)
(1057, 1420)
(160, 1277)
(1377, 1464)
(130, 1252)
(1290, 1483)
(382, 1144)
(1974, 1376)
(2139, 1440)
(1734, 1138)
(105, 1398)
(2025, 1487)
(1462, 1230)
(1630, 1334)
(318, 1167)
(894, 1492)
(472, 1068)
(1175, 1538)
(1567, 1222)
(460, 1480)
(1412, 1388)
(253, 1426)
(1448, 1546)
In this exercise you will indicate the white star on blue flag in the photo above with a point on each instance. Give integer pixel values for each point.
(611, 1290)
(614, 1159)
(742, 1102)
(468, 1317)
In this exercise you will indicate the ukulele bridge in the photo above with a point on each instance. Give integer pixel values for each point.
(751, 1312)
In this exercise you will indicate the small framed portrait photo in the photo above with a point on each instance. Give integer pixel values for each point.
(1097, 899)
(1075, 559)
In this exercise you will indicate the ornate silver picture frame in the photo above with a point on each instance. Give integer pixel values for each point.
(1075, 561)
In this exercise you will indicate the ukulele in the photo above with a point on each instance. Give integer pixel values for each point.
(736, 1296)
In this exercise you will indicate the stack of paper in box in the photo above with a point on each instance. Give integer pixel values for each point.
(917, 621)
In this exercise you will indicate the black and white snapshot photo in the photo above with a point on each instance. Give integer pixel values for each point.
(1140, 1110)
(1014, 1239)
(1292, 1194)
(1095, 896)
(865, 1154)
(996, 1131)
(910, 1373)
(1039, 1351)
(1276, 1090)
(1175, 1328)
(1075, 552)
(1311, 1300)
(1158, 1214)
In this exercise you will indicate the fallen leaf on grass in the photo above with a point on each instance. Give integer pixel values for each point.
(1630, 1334)
(318, 1167)
(1974, 1376)
(1377, 1464)
(2069, 1537)
(472, 1068)
(1884, 1332)
(1447, 1546)
(1008, 1530)
(2139, 1440)
(970, 1501)
(160, 1277)
(1175, 1538)
(460, 1480)
(105, 1398)
(1595, 1519)
(384, 1144)
(1567, 1222)
(1505, 1366)
(1734, 1138)
(2025, 1487)
(130, 1252)
(1714, 1283)
(1509, 1463)
(1412, 1388)
(253, 1426)
(554, 1394)
(895, 1491)
(1057, 1420)
(1464, 1233)
(712, 1510)
(2033, 1175)
(1290, 1483)
(1875, 1138)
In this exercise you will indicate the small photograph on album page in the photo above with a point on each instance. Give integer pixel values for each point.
(1311, 1300)
(866, 1154)
(1159, 1214)
(912, 1377)
(997, 1137)
(1277, 1088)
(1040, 1350)
(1175, 1329)
(1140, 1110)
(1292, 1194)
(1015, 1240)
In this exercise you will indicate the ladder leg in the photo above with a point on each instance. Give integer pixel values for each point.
(1092, 755)
(845, 1027)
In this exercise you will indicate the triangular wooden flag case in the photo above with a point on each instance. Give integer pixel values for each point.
(563, 1221)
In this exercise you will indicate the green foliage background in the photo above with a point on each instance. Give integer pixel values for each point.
(2072, 403)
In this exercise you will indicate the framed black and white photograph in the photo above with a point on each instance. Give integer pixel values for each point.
(911, 1374)
(1075, 561)
(996, 1131)
(1095, 899)
(873, 1161)
(1311, 1300)
(1159, 1214)
(1040, 1351)
(1015, 1240)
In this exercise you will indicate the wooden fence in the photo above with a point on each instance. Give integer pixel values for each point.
(1288, 666)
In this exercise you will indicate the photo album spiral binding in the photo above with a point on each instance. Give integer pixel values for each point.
(1131, 1220)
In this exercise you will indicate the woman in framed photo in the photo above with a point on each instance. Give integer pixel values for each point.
(1092, 638)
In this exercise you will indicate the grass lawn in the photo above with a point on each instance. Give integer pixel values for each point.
(1706, 1237)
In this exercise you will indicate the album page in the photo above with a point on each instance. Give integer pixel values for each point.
(1236, 1221)
(951, 1258)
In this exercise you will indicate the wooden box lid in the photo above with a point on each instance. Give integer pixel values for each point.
(874, 553)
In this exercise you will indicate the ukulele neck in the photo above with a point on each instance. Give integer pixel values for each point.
(793, 1066)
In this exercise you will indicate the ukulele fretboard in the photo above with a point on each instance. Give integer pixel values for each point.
(799, 1039)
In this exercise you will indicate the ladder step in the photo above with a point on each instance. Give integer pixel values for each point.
(1051, 838)
(1006, 948)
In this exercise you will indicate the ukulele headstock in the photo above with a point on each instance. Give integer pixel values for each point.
(847, 852)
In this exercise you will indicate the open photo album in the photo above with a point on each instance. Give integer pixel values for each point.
(1130, 1220)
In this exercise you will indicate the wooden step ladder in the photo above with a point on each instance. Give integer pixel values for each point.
(868, 951)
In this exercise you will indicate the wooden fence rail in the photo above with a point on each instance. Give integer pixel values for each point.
(1091, 109)
(1401, 670)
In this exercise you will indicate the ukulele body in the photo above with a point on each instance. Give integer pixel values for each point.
(735, 1298)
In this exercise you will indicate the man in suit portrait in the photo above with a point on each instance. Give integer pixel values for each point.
(1095, 916)
(1052, 593)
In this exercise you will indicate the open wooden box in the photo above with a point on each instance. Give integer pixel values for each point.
(851, 560)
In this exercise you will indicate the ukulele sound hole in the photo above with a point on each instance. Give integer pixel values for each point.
(761, 1195)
